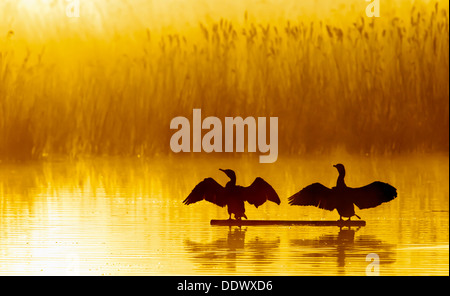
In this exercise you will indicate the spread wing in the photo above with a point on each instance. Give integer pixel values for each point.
(209, 190)
(314, 195)
(373, 195)
(259, 192)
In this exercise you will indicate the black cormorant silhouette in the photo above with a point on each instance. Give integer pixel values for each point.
(342, 197)
(232, 195)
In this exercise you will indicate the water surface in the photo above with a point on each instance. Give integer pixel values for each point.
(125, 217)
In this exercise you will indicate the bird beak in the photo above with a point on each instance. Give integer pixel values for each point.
(222, 170)
(334, 165)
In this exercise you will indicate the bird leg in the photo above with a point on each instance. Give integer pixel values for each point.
(358, 217)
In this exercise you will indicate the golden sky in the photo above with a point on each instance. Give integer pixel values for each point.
(44, 18)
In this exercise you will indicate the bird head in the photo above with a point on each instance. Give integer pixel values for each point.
(229, 173)
(340, 168)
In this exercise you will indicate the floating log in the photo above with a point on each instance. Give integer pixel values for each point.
(339, 223)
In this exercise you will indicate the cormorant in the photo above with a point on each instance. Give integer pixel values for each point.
(232, 195)
(342, 197)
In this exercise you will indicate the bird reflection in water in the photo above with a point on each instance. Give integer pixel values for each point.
(345, 247)
(233, 250)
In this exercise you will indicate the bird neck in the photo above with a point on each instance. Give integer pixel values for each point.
(232, 182)
(340, 181)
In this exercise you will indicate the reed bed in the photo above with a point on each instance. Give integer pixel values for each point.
(370, 86)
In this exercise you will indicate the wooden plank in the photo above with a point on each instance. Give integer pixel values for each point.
(288, 222)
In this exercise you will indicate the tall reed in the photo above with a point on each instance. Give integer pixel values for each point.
(364, 85)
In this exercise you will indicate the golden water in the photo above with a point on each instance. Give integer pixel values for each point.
(125, 217)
